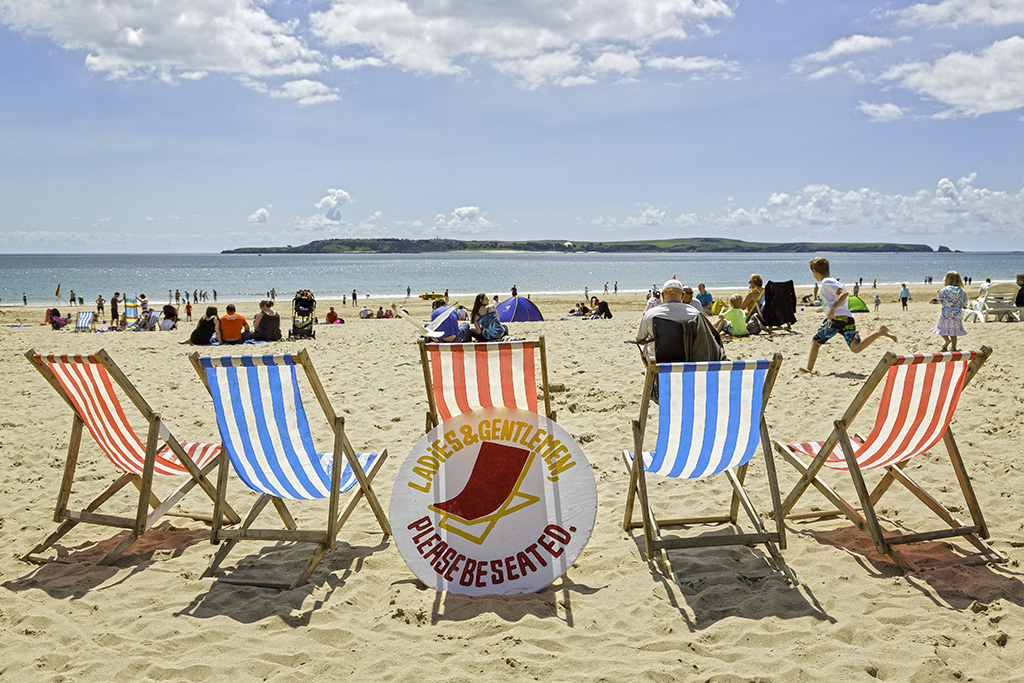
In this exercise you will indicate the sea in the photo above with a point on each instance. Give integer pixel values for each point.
(249, 277)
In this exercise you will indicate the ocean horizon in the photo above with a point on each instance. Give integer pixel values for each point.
(248, 277)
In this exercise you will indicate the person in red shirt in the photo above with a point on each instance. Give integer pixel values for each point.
(331, 316)
(233, 327)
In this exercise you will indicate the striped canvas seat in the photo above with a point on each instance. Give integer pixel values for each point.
(265, 432)
(919, 397)
(87, 384)
(85, 322)
(708, 417)
(710, 420)
(918, 401)
(264, 429)
(464, 377)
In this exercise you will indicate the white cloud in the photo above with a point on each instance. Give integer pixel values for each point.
(305, 92)
(169, 40)
(537, 42)
(989, 81)
(332, 202)
(961, 12)
(819, 212)
(261, 215)
(463, 220)
(886, 111)
(842, 48)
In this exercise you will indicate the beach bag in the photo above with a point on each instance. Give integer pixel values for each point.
(491, 328)
(754, 325)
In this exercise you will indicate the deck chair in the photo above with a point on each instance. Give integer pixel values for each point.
(917, 404)
(999, 302)
(710, 421)
(86, 383)
(491, 492)
(465, 377)
(263, 427)
(86, 322)
(131, 311)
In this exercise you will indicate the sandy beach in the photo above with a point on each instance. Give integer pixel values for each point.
(364, 616)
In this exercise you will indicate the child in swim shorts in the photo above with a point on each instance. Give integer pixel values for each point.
(838, 319)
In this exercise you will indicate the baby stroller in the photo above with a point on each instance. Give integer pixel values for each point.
(303, 307)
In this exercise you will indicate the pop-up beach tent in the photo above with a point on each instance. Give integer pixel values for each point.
(856, 304)
(518, 309)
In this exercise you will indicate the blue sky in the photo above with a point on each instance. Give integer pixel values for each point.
(200, 125)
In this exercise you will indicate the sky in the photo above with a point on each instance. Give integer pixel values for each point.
(200, 125)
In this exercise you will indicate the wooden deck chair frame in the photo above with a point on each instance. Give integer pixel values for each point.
(435, 414)
(157, 431)
(86, 322)
(336, 516)
(865, 517)
(655, 542)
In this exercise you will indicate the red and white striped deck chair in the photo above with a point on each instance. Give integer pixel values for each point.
(465, 377)
(86, 383)
(918, 400)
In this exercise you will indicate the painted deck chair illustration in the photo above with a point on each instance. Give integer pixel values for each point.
(131, 311)
(491, 492)
(918, 400)
(710, 421)
(86, 383)
(465, 377)
(266, 436)
(86, 322)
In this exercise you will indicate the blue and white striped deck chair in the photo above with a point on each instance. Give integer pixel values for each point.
(86, 322)
(710, 421)
(264, 431)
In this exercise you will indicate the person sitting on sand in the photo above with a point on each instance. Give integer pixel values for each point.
(170, 318)
(754, 295)
(233, 327)
(267, 326)
(484, 325)
(734, 320)
(365, 312)
(838, 318)
(380, 312)
(332, 316)
(207, 329)
(704, 297)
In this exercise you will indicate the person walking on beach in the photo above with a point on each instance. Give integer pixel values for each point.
(99, 304)
(515, 291)
(953, 300)
(24, 298)
(904, 295)
(72, 298)
(616, 286)
(838, 319)
(353, 298)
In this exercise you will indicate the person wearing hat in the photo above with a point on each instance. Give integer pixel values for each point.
(671, 307)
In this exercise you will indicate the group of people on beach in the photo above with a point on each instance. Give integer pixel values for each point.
(232, 328)
(676, 302)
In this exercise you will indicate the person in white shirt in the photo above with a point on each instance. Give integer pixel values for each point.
(671, 307)
(365, 312)
(838, 319)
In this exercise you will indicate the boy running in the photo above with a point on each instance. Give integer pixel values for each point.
(838, 319)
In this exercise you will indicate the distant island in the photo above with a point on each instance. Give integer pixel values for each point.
(690, 245)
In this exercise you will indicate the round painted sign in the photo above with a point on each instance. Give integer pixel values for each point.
(498, 500)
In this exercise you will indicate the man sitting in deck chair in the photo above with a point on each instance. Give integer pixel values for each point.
(675, 332)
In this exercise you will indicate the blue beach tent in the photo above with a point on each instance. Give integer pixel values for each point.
(518, 309)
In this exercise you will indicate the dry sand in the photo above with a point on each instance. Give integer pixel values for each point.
(364, 616)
